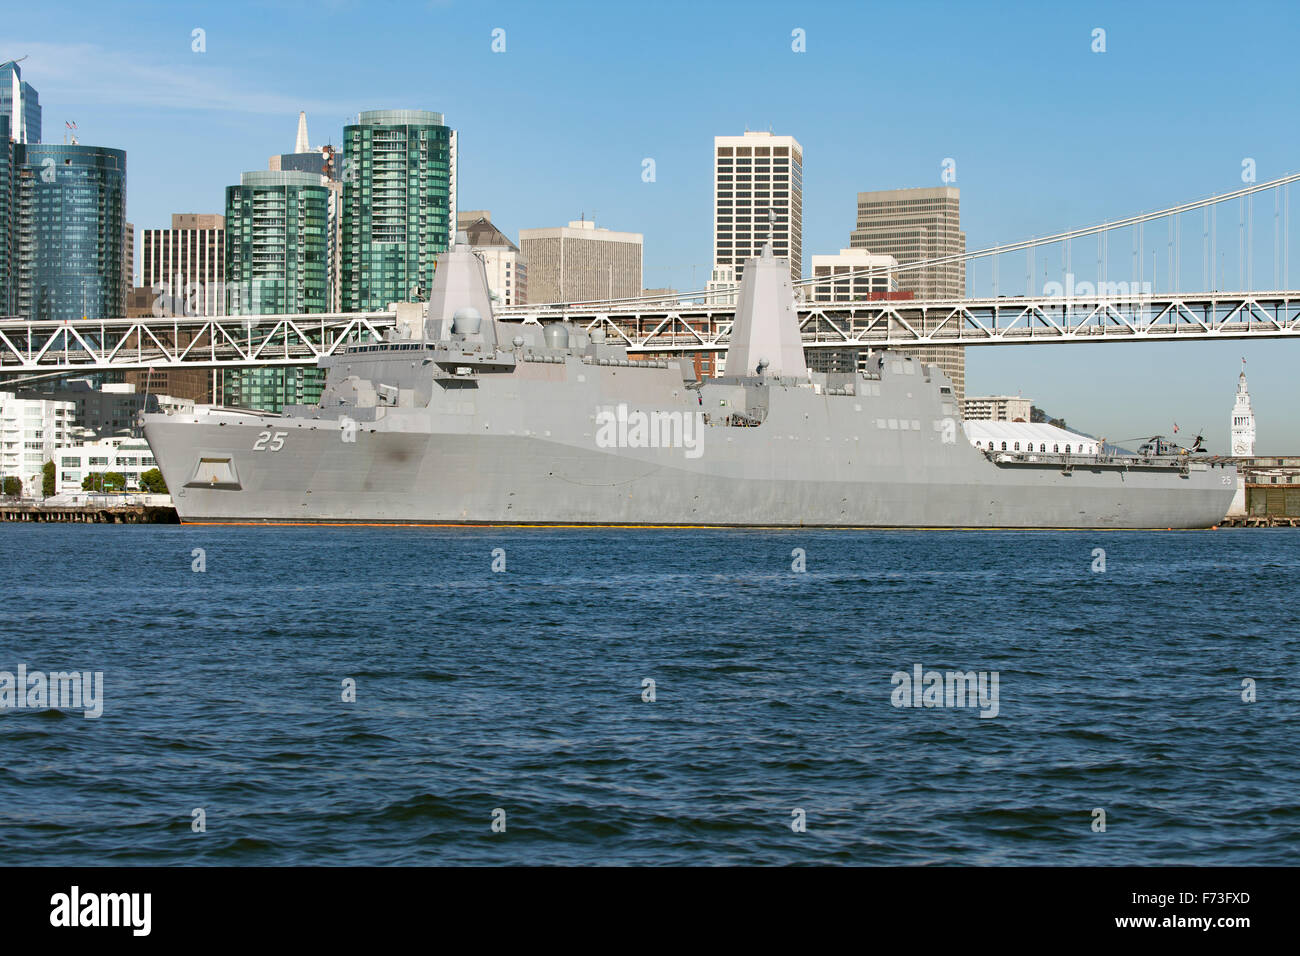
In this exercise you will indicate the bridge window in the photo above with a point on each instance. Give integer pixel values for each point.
(1004, 446)
(1017, 446)
(1067, 449)
(1056, 448)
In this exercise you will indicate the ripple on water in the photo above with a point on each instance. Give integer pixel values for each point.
(525, 695)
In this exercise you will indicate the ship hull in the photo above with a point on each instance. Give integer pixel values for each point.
(789, 479)
(442, 423)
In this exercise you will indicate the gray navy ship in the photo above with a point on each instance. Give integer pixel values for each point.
(458, 418)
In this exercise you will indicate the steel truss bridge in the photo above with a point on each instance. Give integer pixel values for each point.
(32, 348)
(1001, 321)
(1117, 312)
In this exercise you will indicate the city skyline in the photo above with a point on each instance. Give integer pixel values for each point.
(1104, 142)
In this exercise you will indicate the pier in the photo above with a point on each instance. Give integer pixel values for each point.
(1260, 521)
(90, 513)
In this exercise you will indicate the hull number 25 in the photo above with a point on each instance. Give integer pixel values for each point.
(266, 441)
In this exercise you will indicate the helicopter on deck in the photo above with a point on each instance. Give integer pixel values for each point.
(1159, 445)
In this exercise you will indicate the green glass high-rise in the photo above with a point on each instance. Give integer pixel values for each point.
(277, 263)
(399, 205)
(69, 215)
(6, 219)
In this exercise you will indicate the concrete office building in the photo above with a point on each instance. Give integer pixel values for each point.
(580, 263)
(851, 275)
(184, 267)
(915, 225)
(128, 258)
(507, 274)
(997, 408)
(755, 176)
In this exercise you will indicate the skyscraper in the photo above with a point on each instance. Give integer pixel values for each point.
(915, 225)
(325, 162)
(277, 262)
(25, 123)
(399, 205)
(580, 263)
(757, 194)
(276, 244)
(128, 256)
(6, 219)
(70, 227)
(184, 267)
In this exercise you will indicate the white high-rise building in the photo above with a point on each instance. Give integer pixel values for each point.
(1243, 419)
(853, 275)
(757, 195)
(30, 430)
(722, 287)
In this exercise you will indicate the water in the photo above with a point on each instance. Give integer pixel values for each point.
(522, 691)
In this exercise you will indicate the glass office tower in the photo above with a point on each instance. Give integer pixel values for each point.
(277, 263)
(399, 205)
(69, 211)
(29, 131)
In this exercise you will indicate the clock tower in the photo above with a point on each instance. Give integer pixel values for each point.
(1243, 420)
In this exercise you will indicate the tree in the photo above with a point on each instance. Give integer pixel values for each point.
(152, 482)
(104, 481)
(47, 479)
(13, 486)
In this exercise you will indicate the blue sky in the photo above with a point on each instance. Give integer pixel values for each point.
(1046, 134)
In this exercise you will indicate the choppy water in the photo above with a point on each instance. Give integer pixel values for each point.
(523, 691)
